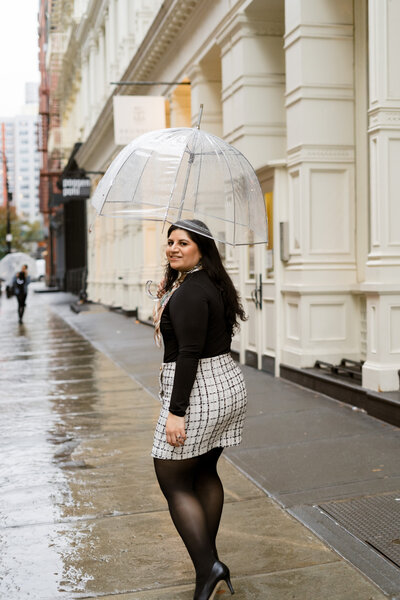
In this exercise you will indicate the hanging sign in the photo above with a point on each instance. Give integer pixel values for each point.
(76, 188)
(135, 115)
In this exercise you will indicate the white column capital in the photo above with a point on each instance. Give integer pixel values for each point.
(384, 118)
(244, 25)
(195, 74)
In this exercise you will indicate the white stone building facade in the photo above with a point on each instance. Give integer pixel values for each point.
(309, 91)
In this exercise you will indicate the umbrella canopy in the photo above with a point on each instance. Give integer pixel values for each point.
(186, 173)
(12, 263)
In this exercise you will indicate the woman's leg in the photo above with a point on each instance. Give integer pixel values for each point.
(210, 492)
(195, 515)
(21, 305)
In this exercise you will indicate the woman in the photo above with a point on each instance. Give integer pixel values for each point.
(202, 392)
(20, 285)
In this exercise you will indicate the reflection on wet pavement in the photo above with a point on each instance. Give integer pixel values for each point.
(69, 428)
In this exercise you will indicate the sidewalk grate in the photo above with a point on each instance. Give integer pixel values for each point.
(374, 520)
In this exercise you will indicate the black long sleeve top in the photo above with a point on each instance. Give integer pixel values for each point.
(193, 326)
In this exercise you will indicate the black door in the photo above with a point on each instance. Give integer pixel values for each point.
(75, 246)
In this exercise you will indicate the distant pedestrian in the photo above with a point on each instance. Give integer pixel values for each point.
(202, 391)
(20, 285)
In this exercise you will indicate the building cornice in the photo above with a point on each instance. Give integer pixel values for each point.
(168, 22)
(81, 35)
(170, 19)
(92, 21)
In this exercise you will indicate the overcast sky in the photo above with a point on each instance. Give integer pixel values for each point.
(18, 52)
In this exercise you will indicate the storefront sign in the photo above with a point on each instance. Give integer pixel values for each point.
(76, 188)
(135, 115)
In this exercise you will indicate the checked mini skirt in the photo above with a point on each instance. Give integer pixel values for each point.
(216, 411)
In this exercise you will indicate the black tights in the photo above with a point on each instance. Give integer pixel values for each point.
(195, 498)
(21, 305)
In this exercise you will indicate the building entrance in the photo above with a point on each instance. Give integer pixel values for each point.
(258, 291)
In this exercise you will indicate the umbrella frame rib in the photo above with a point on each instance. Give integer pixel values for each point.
(108, 191)
(174, 186)
(198, 181)
(141, 174)
(233, 194)
(190, 163)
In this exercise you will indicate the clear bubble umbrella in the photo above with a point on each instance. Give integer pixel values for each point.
(185, 173)
(12, 263)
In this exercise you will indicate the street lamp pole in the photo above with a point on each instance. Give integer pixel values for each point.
(8, 229)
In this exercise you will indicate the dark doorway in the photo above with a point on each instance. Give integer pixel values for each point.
(75, 246)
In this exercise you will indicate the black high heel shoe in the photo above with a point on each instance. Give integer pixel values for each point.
(219, 573)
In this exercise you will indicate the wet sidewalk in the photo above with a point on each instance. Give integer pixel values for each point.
(81, 515)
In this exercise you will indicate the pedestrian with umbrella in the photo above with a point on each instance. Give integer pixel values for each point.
(20, 286)
(207, 191)
(11, 263)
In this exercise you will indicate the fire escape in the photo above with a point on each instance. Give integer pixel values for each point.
(50, 62)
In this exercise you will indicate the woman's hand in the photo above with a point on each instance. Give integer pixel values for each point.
(175, 430)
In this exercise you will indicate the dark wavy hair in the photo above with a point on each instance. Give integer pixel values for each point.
(212, 264)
